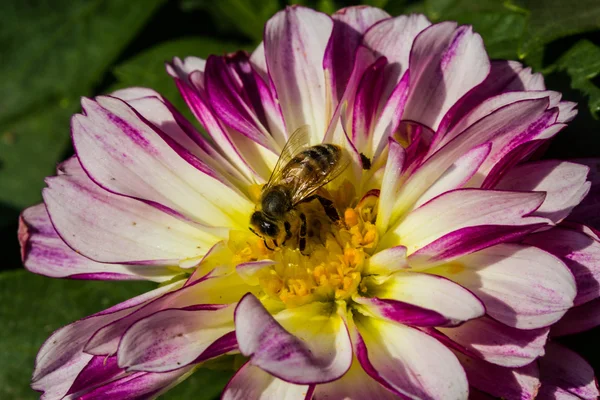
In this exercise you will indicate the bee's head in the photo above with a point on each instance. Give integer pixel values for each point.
(262, 226)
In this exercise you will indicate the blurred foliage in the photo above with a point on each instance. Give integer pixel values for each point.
(54, 52)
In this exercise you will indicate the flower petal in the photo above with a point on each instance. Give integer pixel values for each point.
(439, 300)
(459, 209)
(445, 63)
(207, 290)
(140, 385)
(564, 183)
(295, 43)
(117, 149)
(580, 252)
(111, 228)
(45, 253)
(61, 357)
(162, 114)
(251, 382)
(409, 361)
(349, 25)
(225, 88)
(173, 338)
(588, 212)
(356, 384)
(497, 343)
(393, 38)
(390, 184)
(387, 261)
(501, 382)
(502, 127)
(565, 373)
(578, 319)
(318, 350)
(458, 173)
(521, 286)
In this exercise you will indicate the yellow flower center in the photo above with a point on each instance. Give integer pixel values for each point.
(330, 267)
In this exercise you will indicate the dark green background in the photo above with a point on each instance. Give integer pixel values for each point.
(55, 51)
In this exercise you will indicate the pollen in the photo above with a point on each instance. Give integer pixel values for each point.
(330, 269)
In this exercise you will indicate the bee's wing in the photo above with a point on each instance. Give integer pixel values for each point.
(298, 141)
(306, 187)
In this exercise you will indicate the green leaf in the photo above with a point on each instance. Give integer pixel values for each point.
(148, 68)
(245, 16)
(500, 24)
(52, 53)
(32, 307)
(582, 63)
(553, 19)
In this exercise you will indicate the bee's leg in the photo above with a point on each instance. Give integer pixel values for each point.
(327, 204)
(302, 240)
(329, 208)
(288, 232)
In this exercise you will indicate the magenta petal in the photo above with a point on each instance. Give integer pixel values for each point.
(565, 374)
(275, 350)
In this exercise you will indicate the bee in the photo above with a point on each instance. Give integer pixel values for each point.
(299, 173)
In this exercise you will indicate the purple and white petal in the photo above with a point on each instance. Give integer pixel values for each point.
(498, 343)
(110, 228)
(566, 375)
(580, 252)
(295, 43)
(501, 382)
(61, 357)
(463, 208)
(117, 148)
(445, 63)
(408, 361)
(434, 300)
(349, 26)
(304, 345)
(578, 319)
(356, 384)
(207, 290)
(45, 253)
(521, 286)
(564, 183)
(173, 338)
(251, 382)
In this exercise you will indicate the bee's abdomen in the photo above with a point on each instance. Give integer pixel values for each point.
(319, 159)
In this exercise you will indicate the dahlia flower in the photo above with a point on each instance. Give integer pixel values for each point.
(447, 266)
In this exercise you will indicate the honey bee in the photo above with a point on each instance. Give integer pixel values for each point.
(300, 171)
